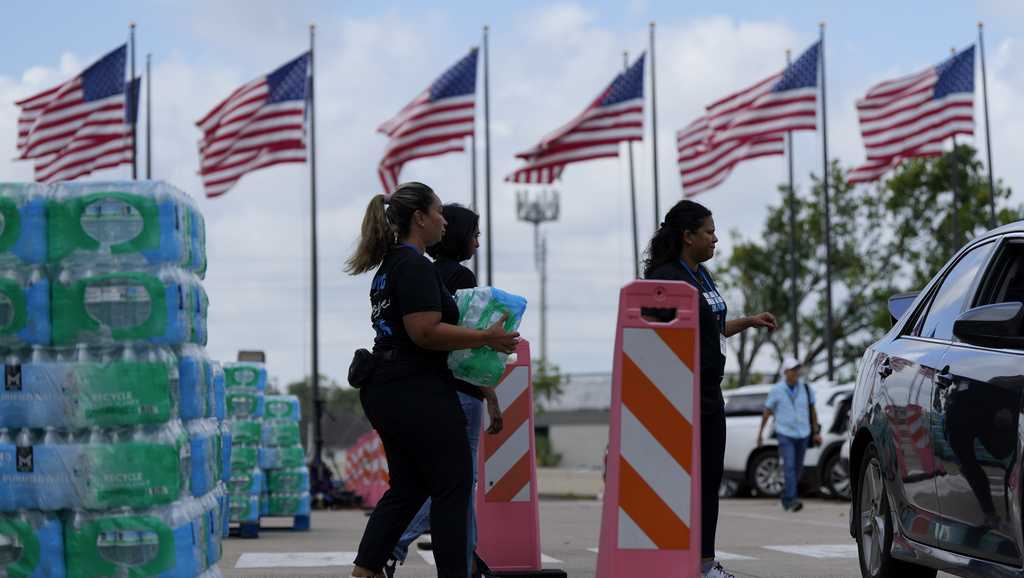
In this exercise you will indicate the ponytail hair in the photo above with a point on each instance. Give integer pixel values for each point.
(388, 219)
(667, 243)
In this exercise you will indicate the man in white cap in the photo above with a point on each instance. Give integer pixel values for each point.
(796, 427)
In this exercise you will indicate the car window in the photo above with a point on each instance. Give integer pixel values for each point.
(949, 299)
(745, 404)
(1004, 281)
(841, 421)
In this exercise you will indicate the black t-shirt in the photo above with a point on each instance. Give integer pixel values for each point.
(407, 282)
(457, 276)
(712, 324)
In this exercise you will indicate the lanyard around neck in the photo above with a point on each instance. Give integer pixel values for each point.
(705, 284)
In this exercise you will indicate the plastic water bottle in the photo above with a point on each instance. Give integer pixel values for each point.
(7, 452)
(133, 223)
(23, 209)
(24, 306)
(26, 496)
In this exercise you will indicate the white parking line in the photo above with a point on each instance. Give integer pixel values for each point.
(726, 556)
(719, 555)
(295, 559)
(819, 550)
(786, 520)
(427, 556)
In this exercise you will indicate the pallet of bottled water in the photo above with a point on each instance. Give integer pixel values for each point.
(114, 454)
(284, 461)
(245, 385)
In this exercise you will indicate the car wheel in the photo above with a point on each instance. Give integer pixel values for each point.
(837, 479)
(874, 532)
(766, 475)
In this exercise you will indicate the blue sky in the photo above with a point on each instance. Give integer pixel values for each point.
(549, 60)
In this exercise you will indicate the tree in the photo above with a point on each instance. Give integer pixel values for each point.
(919, 201)
(547, 381)
(888, 238)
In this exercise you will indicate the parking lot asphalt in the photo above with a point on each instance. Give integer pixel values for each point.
(755, 539)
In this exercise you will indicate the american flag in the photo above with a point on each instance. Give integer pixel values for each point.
(434, 123)
(79, 126)
(783, 102)
(704, 166)
(262, 123)
(616, 115)
(910, 116)
(748, 124)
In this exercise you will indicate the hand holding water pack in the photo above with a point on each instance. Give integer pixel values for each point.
(479, 308)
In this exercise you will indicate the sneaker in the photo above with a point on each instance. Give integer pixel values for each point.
(717, 571)
(797, 506)
(390, 567)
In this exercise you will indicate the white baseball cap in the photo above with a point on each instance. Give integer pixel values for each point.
(791, 363)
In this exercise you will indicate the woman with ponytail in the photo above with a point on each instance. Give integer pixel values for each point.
(410, 399)
(680, 245)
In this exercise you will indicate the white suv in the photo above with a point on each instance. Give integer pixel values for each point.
(750, 468)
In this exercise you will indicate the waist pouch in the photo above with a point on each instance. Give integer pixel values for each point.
(360, 371)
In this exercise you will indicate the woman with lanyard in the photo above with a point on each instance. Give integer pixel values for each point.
(461, 241)
(684, 241)
(409, 397)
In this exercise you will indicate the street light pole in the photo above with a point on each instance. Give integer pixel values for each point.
(540, 208)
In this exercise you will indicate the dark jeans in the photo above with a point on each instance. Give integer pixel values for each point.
(423, 430)
(712, 464)
(791, 451)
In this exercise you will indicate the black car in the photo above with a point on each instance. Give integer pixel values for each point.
(935, 423)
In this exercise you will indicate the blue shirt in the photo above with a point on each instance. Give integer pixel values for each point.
(789, 406)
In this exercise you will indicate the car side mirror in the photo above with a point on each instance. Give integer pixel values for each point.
(998, 325)
(898, 305)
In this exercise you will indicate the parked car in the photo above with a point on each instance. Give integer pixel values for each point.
(935, 423)
(758, 469)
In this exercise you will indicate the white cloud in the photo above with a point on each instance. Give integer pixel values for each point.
(546, 66)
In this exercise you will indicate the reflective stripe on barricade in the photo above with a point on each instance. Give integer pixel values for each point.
(650, 522)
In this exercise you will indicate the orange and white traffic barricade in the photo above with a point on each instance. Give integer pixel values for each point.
(379, 481)
(508, 514)
(367, 474)
(650, 524)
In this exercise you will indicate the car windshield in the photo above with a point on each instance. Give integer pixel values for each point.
(745, 404)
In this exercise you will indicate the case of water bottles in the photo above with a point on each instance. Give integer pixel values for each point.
(245, 385)
(284, 459)
(114, 458)
(479, 308)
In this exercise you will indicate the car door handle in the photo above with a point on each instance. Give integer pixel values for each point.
(944, 379)
(885, 369)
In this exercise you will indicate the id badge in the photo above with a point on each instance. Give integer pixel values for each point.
(721, 343)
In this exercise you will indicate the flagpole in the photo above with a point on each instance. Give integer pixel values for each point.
(954, 185)
(654, 132)
(149, 118)
(632, 190)
(318, 440)
(473, 203)
(487, 161)
(131, 105)
(829, 341)
(988, 130)
(793, 266)
(954, 178)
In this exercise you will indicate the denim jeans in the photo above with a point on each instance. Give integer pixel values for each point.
(791, 451)
(474, 410)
